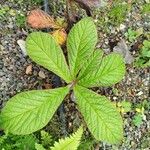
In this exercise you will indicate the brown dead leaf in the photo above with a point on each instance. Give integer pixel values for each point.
(88, 3)
(124, 50)
(29, 69)
(60, 36)
(39, 19)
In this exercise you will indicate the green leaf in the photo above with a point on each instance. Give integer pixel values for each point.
(127, 106)
(43, 49)
(39, 147)
(101, 117)
(110, 71)
(91, 63)
(81, 43)
(69, 143)
(46, 139)
(146, 49)
(30, 111)
(138, 120)
(17, 142)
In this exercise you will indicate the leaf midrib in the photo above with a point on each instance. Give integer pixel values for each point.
(79, 45)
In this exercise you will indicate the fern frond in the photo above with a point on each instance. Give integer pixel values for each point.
(69, 143)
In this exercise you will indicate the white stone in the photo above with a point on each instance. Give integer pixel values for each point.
(22, 46)
(140, 93)
(122, 27)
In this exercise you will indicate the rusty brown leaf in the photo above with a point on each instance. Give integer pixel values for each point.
(39, 19)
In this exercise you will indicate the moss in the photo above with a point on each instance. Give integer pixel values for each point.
(146, 9)
(117, 14)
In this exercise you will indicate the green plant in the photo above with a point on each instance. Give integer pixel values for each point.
(144, 58)
(140, 109)
(137, 120)
(46, 139)
(3, 11)
(19, 142)
(69, 143)
(37, 2)
(131, 35)
(31, 142)
(146, 9)
(87, 143)
(124, 106)
(30, 111)
(117, 14)
(20, 20)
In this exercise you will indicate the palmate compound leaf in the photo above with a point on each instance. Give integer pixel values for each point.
(69, 143)
(101, 117)
(110, 71)
(81, 42)
(30, 111)
(43, 49)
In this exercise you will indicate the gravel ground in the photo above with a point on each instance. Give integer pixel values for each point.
(135, 87)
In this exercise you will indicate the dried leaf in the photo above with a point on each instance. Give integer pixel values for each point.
(39, 19)
(29, 69)
(123, 49)
(89, 3)
(60, 36)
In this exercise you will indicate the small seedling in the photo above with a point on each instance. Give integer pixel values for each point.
(20, 20)
(131, 35)
(124, 106)
(117, 14)
(146, 9)
(30, 111)
(3, 11)
(137, 120)
(144, 58)
(140, 116)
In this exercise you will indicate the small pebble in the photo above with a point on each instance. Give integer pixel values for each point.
(42, 75)
(140, 93)
(29, 69)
